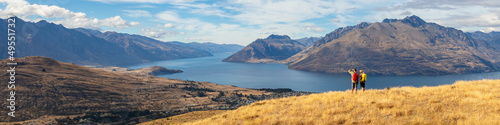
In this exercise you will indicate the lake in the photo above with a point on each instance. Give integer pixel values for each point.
(249, 75)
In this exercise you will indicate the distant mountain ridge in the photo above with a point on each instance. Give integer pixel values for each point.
(147, 48)
(270, 50)
(90, 47)
(51, 40)
(408, 46)
(492, 38)
(214, 48)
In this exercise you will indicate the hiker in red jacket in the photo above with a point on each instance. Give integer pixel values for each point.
(354, 79)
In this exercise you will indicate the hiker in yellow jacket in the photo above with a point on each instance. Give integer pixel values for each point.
(362, 79)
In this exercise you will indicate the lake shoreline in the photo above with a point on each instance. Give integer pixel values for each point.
(276, 75)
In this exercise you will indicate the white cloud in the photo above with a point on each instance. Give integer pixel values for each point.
(256, 19)
(21, 7)
(203, 9)
(210, 11)
(157, 32)
(290, 11)
(443, 4)
(198, 30)
(343, 20)
(169, 16)
(314, 28)
(335, 20)
(144, 6)
(133, 23)
(71, 19)
(145, 1)
(137, 13)
(169, 25)
(184, 23)
(467, 15)
(198, 39)
(116, 22)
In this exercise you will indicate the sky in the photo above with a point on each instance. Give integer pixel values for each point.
(243, 21)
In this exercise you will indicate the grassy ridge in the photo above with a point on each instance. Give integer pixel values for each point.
(464, 102)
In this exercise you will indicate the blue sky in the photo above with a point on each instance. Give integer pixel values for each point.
(243, 21)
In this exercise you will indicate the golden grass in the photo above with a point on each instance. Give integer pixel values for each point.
(191, 116)
(464, 102)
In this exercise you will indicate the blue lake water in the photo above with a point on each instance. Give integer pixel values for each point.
(248, 75)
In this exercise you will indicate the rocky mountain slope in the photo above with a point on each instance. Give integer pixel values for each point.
(69, 45)
(328, 37)
(273, 48)
(46, 87)
(407, 46)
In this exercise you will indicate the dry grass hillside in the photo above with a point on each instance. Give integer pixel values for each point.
(188, 117)
(46, 87)
(464, 102)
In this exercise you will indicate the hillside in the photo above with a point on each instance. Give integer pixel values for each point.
(464, 102)
(273, 48)
(408, 46)
(71, 45)
(46, 87)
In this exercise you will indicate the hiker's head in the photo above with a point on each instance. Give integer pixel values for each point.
(355, 70)
(361, 71)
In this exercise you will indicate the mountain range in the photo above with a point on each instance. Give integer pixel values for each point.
(146, 49)
(409, 46)
(92, 47)
(492, 38)
(271, 49)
